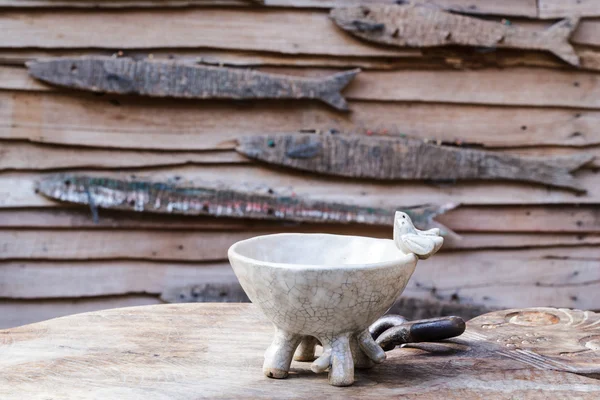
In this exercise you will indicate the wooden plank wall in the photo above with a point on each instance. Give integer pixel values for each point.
(523, 245)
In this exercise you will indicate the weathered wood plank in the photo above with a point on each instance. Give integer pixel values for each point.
(516, 86)
(513, 87)
(519, 8)
(154, 351)
(509, 278)
(385, 158)
(32, 156)
(31, 280)
(561, 277)
(20, 312)
(410, 25)
(275, 30)
(17, 189)
(141, 123)
(207, 246)
(542, 219)
(549, 9)
(171, 79)
(24, 156)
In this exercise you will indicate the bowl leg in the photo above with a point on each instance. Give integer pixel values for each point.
(278, 356)
(306, 350)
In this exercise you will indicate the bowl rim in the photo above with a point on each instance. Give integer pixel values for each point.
(232, 252)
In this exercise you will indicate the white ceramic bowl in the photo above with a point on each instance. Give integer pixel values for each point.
(328, 288)
(319, 284)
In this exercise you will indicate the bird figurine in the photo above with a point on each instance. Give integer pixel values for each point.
(409, 239)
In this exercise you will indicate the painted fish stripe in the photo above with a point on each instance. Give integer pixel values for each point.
(159, 197)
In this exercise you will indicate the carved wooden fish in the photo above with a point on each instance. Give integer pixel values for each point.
(387, 158)
(171, 79)
(418, 25)
(156, 197)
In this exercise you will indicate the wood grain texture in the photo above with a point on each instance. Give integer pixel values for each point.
(416, 25)
(434, 58)
(512, 87)
(45, 280)
(21, 312)
(155, 352)
(561, 277)
(176, 80)
(566, 8)
(520, 8)
(557, 276)
(140, 123)
(17, 189)
(205, 246)
(384, 158)
(494, 218)
(21, 155)
(275, 30)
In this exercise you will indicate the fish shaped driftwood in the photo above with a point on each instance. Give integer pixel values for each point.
(171, 79)
(424, 25)
(156, 197)
(397, 158)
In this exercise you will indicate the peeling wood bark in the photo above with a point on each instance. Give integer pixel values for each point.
(426, 26)
(168, 198)
(406, 159)
(170, 79)
(143, 123)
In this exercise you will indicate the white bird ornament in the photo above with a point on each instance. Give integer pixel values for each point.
(409, 239)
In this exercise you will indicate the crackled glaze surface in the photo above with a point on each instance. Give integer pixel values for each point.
(328, 287)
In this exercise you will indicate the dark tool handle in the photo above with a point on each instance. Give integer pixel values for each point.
(427, 330)
(384, 323)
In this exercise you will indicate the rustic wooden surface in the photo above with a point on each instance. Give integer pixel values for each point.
(209, 350)
(524, 103)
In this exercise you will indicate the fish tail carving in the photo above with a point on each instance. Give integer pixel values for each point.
(571, 163)
(556, 171)
(330, 89)
(558, 36)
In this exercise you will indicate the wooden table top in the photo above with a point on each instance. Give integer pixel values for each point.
(192, 351)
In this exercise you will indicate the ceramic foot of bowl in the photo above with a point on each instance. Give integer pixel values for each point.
(328, 289)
